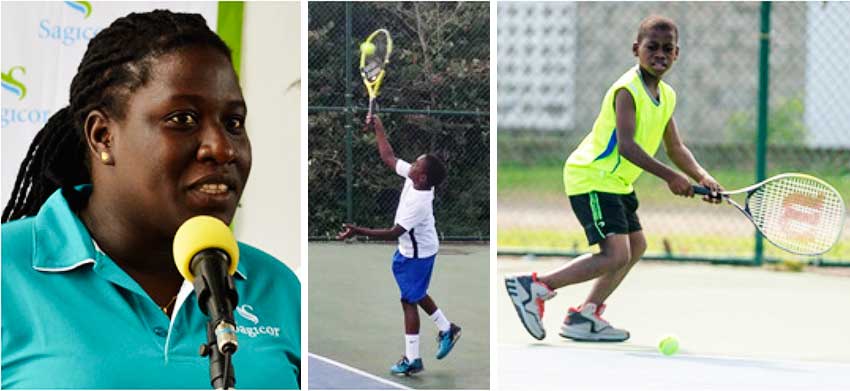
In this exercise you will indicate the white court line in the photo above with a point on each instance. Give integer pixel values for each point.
(650, 350)
(359, 372)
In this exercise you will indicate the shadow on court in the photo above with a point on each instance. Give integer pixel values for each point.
(739, 327)
(356, 318)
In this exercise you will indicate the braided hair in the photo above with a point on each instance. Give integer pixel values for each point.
(117, 62)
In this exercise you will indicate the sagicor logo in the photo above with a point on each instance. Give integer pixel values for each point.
(253, 331)
(243, 311)
(14, 86)
(82, 6)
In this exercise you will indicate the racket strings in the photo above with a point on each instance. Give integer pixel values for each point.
(377, 60)
(800, 214)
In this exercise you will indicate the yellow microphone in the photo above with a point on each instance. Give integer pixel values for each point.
(201, 233)
(206, 254)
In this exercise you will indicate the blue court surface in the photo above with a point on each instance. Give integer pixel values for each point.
(739, 328)
(327, 374)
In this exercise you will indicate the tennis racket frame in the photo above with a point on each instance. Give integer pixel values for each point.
(752, 189)
(373, 87)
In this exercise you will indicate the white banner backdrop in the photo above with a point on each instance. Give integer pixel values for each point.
(42, 44)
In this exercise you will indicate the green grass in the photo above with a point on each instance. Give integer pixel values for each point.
(681, 244)
(533, 179)
(516, 180)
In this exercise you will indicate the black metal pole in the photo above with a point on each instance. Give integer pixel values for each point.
(349, 120)
(219, 367)
(763, 95)
(217, 297)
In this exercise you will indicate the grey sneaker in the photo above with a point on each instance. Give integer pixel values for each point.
(528, 295)
(586, 324)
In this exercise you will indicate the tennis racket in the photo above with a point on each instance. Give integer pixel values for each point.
(798, 213)
(374, 58)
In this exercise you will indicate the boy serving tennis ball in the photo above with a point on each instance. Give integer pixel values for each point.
(417, 248)
(636, 115)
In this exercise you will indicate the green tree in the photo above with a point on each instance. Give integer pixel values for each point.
(440, 61)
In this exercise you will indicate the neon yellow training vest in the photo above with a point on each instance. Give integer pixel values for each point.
(596, 165)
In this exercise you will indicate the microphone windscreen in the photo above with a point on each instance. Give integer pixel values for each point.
(201, 233)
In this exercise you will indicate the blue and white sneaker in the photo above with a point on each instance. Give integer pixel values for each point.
(528, 294)
(406, 368)
(446, 341)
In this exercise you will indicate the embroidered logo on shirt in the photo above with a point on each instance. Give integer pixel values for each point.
(245, 312)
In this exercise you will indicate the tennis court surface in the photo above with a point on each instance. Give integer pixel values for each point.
(356, 326)
(738, 328)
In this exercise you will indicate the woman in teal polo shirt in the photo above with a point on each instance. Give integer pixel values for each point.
(154, 134)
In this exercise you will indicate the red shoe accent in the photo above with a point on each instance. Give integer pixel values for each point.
(534, 278)
(539, 303)
(599, 310)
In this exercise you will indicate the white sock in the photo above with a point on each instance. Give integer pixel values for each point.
(411, 346)
(440, 320)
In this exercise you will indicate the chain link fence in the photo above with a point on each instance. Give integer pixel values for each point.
(556, 60)
(435, 98)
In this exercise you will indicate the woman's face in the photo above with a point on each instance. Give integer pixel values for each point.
(182, 149)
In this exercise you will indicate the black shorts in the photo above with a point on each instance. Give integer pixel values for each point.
(604, 214)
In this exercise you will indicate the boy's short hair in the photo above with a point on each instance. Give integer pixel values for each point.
(656, 22)
(435, 169)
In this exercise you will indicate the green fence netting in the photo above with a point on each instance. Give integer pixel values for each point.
(435, 99)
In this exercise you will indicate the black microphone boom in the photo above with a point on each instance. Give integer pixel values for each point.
(206, 254)
(217, 296)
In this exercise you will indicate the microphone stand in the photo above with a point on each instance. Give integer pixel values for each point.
(222, 376)
(217, 300)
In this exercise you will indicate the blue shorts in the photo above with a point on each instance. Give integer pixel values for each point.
(413, 275)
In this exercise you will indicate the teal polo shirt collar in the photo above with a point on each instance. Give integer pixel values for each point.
(62, 243)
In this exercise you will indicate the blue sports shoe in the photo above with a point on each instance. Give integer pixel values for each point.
(407, 368)
(446, 340)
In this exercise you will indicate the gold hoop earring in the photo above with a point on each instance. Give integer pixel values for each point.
(104, 156)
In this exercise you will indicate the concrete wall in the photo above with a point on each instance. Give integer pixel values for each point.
(270, 216)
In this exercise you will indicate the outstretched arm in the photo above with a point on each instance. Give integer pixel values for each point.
(682, 157)
(384, 147)
(624, 106)
(349, 230)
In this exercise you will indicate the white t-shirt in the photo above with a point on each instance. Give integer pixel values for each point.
(416, 214)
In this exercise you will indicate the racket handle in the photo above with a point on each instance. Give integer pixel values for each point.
(702, 190)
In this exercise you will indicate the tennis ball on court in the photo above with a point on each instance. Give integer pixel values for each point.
(367, 48)
(668, 346)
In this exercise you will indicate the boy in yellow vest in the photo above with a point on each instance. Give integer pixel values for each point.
(636, 114)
